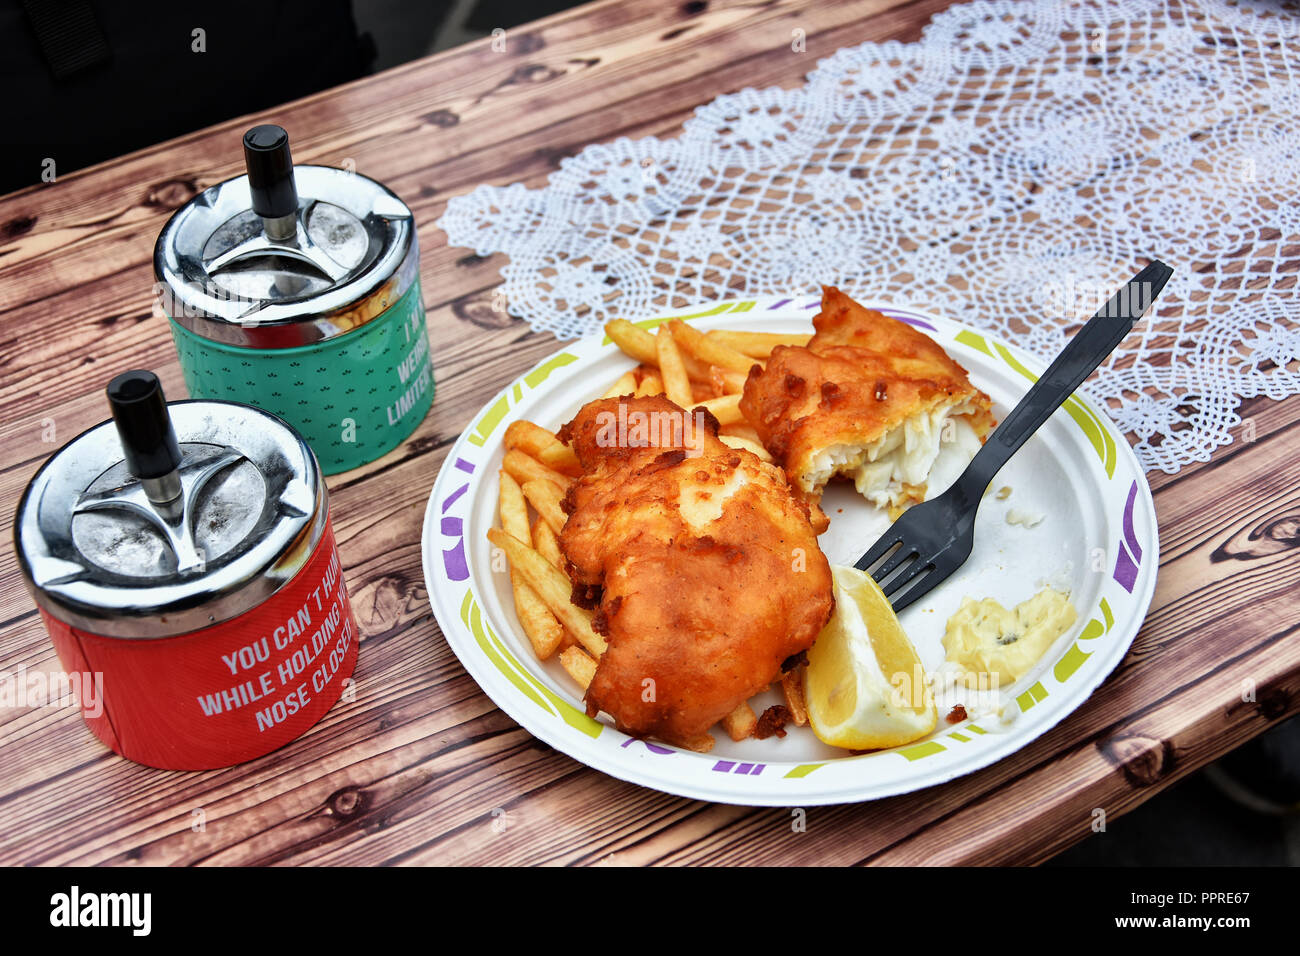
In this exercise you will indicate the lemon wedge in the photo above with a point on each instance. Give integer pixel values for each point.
(864, 685)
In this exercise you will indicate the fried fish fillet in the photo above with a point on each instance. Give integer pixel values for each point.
(700, 560)
(869, 397)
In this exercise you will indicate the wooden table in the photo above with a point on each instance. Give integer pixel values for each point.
(413, 771)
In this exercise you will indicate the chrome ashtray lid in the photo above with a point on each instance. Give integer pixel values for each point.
(285, 255)
(191, 532)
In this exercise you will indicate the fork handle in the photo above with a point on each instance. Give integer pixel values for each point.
(1088, 349)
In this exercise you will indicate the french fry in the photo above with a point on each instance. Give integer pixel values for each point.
(524, 468)
(514, 511)
(528, 437)
(725, 409)
(639, 344)
(792, 689)
(545, 499)
(742, 429)
(740, 723)
(710, 351)
(651, 384)
(725, 381)
(641, 371)
(700, 392)
(579, 665)
(701, 744)
(553, 586)
(677, 385)
(543, 630)
(757, 344)
(534, 440)
(626, 385)
(545, 541)
(633, 340)
(561, 458)
(548, 546)
(735, 441)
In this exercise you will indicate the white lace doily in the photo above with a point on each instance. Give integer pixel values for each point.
(1010, 170)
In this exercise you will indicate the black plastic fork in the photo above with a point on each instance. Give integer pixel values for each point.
(933, 539)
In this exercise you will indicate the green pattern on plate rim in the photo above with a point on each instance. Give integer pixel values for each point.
(562, 722)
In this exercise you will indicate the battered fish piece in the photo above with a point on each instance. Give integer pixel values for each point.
(869, 397)
(700, 560)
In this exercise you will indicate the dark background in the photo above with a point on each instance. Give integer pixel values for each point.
(87, 80)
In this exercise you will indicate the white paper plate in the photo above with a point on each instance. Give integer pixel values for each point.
(1097, 537)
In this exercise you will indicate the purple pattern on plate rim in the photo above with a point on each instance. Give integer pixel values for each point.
(1130, 552)
(648, 746)
(744, 769)
(453, 558)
